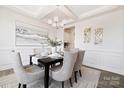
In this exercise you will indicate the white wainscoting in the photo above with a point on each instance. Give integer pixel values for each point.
(6, 58)
(105, 60)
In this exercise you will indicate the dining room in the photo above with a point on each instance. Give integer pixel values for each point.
(61, 46)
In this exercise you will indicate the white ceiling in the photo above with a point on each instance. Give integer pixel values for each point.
(80, 9)
(69, 12)
(60, 14)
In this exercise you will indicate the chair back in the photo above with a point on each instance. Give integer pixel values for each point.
(18, 67)
(79, 60)
(68, 64)
(74, 49)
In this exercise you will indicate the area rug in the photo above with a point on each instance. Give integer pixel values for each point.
(89, 79)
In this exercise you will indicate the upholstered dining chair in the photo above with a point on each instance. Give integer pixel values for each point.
(78, 63)
(25, 77)
(66, 70)
(74, 49)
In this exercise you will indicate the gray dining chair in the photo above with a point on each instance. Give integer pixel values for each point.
(25, 77)
(78, 63)
(66, 70)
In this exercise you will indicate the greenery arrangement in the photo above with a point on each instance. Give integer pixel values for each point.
(54, 43)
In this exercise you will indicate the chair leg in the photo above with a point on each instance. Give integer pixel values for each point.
(24, 85)
(80, 73)
(70, 82)
(75, 73)
(19, 85)
(62, 84)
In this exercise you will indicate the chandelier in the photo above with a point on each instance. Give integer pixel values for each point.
(56, 22)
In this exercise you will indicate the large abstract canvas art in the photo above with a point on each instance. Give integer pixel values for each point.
(98, 36)
(30, 35)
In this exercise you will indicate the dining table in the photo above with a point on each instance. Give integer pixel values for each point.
(47, 63)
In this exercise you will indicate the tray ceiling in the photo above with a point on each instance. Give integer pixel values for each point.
(69, 12)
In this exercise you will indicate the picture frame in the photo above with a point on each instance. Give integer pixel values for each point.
(98, 36)
(87, 35)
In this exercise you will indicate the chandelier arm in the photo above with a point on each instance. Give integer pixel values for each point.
(55, 22)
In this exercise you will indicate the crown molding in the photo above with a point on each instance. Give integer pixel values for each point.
(90, 14)
(41, 13)
(98, 11)
(21, 11)
(45, 12)
(68, 12)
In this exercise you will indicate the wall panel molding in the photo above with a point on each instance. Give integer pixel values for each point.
(112, 61)
(105, 60)
(6, 60)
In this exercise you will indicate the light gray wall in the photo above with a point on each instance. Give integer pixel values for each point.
(7, 36)
(109, 55)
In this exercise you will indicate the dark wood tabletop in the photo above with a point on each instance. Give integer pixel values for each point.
(49, 60)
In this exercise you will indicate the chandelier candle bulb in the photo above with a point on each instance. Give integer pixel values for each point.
(56, 22)
(56, 19)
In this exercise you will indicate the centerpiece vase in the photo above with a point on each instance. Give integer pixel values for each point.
(54, 50)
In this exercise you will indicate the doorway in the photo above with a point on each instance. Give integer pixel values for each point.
(69, 38)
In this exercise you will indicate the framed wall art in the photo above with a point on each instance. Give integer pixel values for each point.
(98, 36)
(87, 35)
(30, 35)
